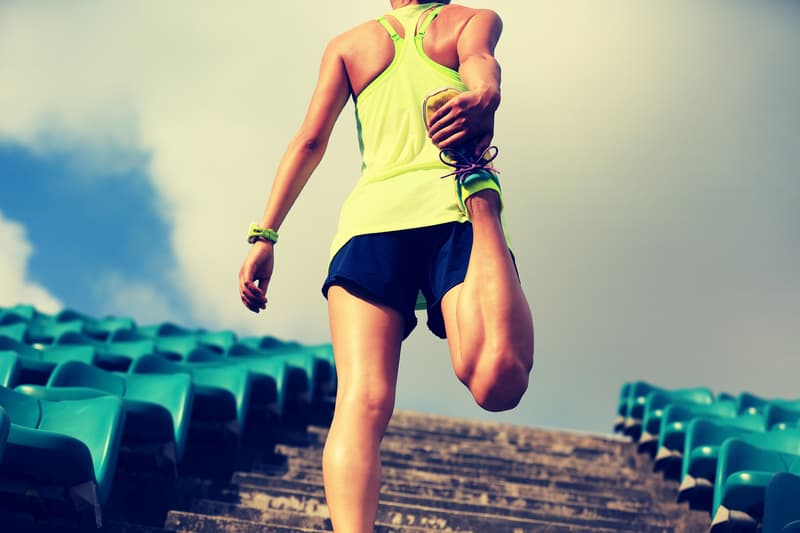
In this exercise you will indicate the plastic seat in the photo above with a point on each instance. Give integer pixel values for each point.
(671, 438)
(222, 394)
(160, 406)
(22, 312)
(14, 331)
(10, 368)
(782, 504)
(65, 450)
(704, 436)
(747, 402)
(44, 329)
(37, 365)
(782, 414)
(5, 427)
(303, 367)
(745, 467)
(269, 377)
(634, 407)
(656, 402)
(114, 355)
(98, 328)
(176, 339)
(622, 407)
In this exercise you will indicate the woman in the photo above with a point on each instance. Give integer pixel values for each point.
(405, 232)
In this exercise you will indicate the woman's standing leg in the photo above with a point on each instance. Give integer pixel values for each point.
(487, 318)
(366, 343)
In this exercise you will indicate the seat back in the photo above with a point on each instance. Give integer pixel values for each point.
(781, 502)
(79, 374)
(21, 409)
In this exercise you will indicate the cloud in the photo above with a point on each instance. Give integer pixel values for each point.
(15, 285)
(141, 299)
(648, 160)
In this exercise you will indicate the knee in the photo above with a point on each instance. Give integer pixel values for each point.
(371, 404)
(500, 384)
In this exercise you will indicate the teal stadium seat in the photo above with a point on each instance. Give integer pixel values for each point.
(704, 437)
(14, 331)
(22, 311)
(159, 407)
(634, 408)
(63, 451)
(10, 368)
(303, 367)
(655, 404)
(5, 427)
(270, 378)
(671, 438)
(622, 407)
(183, 340)
(222, 393)
(98, 328)
(782, 504)
(37, 364)
(745, 467)
(113, 355)
(782, 414)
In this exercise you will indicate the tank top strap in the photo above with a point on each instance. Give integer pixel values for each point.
(432, 14)
(392, 33)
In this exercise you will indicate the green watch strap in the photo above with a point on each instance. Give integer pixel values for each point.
(257, 233)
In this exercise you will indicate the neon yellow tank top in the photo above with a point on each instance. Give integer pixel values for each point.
(400, 185)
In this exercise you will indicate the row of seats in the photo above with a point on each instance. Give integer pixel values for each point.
(78, 392)
(737, 456)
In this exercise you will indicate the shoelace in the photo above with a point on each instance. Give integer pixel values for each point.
(463, 165)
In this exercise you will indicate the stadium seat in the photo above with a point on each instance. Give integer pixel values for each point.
(671, 438)
(5, 427)
(10, 368)
(36, 365)
(98, 328)
(270, 377)
(704, 436)
(61, 450)
(183, 340)
(782, 504)
(655, 404)
(745, 467)
(750, 403)
(622, 406)
(222, 394)
(159, 407)
(114, 355)
(14, 331)
(782, 414)
(304, 368)
(17, 312)
(634, 408)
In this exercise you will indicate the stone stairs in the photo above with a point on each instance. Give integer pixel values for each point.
(439, 474)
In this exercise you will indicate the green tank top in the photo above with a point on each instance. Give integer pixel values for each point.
(400, 185)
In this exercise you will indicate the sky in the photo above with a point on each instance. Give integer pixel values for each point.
(649, 155)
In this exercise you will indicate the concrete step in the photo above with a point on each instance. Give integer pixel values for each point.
(262, 490)
(403, 516)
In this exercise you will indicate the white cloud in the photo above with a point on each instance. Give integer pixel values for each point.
(647, 156)
(15, 285)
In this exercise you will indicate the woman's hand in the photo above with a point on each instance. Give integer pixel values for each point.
(255, 274)
(466, 120)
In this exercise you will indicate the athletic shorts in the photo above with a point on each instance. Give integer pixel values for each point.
(391, 269)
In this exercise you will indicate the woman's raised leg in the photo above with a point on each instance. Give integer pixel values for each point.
(487, 318)
(366, 343)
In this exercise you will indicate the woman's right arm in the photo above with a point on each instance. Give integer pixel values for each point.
(301, 158)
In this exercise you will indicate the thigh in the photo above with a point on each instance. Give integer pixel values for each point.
(366, 340)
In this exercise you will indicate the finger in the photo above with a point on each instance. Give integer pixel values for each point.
(253, 293)
(443, 117)
(449, 136)
(250, 305)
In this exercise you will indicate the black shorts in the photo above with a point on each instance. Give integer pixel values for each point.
(392, 268)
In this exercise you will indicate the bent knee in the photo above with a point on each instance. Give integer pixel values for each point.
(500, 385)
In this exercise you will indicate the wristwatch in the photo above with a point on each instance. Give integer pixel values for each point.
(257, 233)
